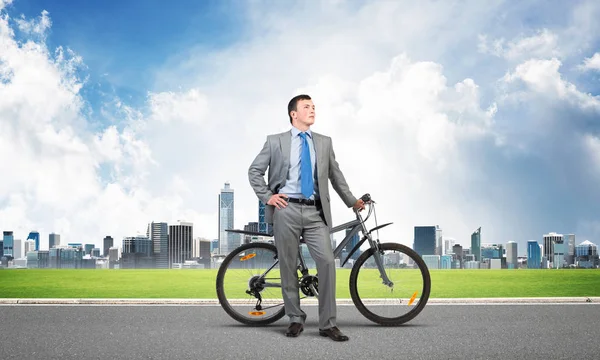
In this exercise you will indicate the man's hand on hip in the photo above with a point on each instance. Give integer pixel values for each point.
(359, 205)
(278, 200)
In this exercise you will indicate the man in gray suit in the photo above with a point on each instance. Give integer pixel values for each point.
(300, 164)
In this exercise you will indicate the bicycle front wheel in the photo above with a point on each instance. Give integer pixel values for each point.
(249, 284)
(398, 301)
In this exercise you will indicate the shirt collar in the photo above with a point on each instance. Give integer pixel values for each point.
(295, 132)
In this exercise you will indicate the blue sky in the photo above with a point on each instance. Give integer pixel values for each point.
(469, 114)
(122, 43)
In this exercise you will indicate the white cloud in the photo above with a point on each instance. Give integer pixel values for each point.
(591, 63)
(543, 77)
(4, 3)
(53, 179)
(189, 107)
(542, 45)
(34, 27)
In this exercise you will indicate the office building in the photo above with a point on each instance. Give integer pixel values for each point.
(431, 261)
(108, 242)
(439, 245)
(88, 248)
(559, 258)
(113, 257)
(137, 253)
(29, 246)
(17, 249)
(586, 255)
(180, 242)
(446, 262)
(8, 244)
(570, 254)
(549, 240)
(491, 251)
(448, 246)
(476, 244)
(53, 240)
(202, 251)
(65, 257)
(425, 240)
(534, 257)
(158, 233)
(226, 220)
(35, 236)
(457, 251)
(512, 261)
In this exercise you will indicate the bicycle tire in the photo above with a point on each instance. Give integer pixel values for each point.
(394, 321)
(220, 291)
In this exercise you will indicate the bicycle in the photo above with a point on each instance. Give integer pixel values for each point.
(261, 292)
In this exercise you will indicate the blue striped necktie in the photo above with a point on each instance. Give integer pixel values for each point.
(306, 177)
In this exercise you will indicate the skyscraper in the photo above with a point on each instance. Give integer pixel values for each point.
(158, 233)
(458, 254)
(181, 242)
(108, 243)
(53, 240)
(88, 248)
(35, 236)
(448, 246)
(570, 254)
(17, 249)
(439, 246)
(226, 205)
(425, 240)
(8, 244)
(549, 240)
(476, 244)
(534, 257)
(512, 261)
(29, 246)
(137, 253)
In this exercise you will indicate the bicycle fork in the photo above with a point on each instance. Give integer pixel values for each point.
(377, 255)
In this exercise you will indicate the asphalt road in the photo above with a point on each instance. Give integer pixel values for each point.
(207, 332)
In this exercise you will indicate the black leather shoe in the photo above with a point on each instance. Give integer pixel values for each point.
(294, 330)
(334, 333)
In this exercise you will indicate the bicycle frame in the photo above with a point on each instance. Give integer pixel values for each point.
(356, 225)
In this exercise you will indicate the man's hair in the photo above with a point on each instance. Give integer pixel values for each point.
(292, 105)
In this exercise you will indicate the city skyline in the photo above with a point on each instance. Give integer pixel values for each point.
(464, 118)
(436, 234)
(158, 231)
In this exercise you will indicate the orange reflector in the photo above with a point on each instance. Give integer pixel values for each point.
(249, 256)
(412, 299)
(257, 313)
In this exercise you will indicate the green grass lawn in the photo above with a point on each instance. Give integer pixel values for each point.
(49, 283)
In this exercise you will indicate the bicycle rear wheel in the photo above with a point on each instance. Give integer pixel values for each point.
(398, 302)
(249, 284)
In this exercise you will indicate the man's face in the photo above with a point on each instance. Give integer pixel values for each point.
(305, 112)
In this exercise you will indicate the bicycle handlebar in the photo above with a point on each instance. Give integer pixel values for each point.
(366, 198)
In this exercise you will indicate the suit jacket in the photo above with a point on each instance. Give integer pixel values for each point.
(275, 155)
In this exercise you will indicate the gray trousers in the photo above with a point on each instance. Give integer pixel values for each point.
(288, 224)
